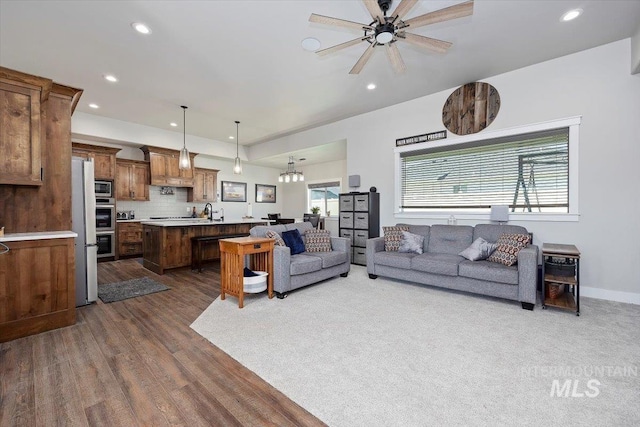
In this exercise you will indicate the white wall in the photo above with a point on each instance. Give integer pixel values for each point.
(635, 52)
(595, 84)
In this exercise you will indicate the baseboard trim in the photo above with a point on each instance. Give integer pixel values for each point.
(607, 294)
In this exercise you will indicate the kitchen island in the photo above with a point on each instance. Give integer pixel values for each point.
(168, 244)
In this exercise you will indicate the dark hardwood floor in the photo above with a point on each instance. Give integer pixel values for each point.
(137, 362)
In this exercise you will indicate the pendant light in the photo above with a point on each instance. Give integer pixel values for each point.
(237, 167)
(185, 160)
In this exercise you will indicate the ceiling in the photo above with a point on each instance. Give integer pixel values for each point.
(243, 60)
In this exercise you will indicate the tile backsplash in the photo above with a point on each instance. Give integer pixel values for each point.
(161, 204)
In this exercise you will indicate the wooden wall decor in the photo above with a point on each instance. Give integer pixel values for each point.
(471, 108)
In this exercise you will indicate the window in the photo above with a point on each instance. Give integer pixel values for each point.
(530, 172)
(324, 195)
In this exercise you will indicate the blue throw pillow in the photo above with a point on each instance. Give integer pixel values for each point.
(293, 240)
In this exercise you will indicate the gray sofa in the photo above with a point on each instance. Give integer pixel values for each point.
(440, 265)
(295, 271)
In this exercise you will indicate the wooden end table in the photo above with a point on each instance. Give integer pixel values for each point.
(568, 300)
(232, 253)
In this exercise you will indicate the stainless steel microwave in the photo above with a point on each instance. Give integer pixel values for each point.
(104, 188)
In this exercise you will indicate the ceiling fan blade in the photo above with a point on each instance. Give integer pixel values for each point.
(434, 45)
(446, 14)
(363, 59)
(396, 60)
(374, 9)
(402, 9)
(340, 46)
(321, 19)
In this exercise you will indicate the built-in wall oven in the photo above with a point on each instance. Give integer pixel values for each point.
(106, 226)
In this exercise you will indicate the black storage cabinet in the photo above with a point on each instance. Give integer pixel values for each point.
(359, 220)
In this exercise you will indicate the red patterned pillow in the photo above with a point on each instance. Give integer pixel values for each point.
(393, 237)
(317, 240)
(508, 247)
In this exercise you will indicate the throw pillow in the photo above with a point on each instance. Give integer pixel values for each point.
(479, 249)
(508, 247)
(273, 235)
(293, 240)
(411, 243)
(393, 236)
(317, 240)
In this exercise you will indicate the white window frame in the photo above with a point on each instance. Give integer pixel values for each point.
(317, 181)
(573, 123)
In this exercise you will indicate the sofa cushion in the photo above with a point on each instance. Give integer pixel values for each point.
(491, 271)
(450, 239)
(411, 243)
(479, 249)
(300, 226)
(273, 235)
(492, 232)
(508, 247)
(392, 237)
(446, 264)
(293, 240)
(317, 240)
(302, 264)
(393, 259)
(329, 259)
(422, 230)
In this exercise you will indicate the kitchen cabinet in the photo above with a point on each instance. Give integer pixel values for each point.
(177, 243)
(132, 180)
(359, 220)
(204, 186)
(104, 159)
(22, 99)
(37, 287)
(129, 239)
(165, 168)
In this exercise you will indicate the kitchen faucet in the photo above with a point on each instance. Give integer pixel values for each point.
(209, 211)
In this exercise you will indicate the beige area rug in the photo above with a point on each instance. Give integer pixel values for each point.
(361, 352)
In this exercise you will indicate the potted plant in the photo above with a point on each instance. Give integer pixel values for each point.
(315, 210)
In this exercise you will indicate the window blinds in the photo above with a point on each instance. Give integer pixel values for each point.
(528, 172)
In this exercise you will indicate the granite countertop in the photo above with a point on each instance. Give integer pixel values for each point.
(37, 235)
(197, 221)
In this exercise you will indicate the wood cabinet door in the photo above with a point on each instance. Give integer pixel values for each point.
(123, 182)
(104, 166)
(152, 244)
(158, 167)
(140, 182)
(173, 166)
(197, 193)
(177, 247)
(20, 135)
(210, 187)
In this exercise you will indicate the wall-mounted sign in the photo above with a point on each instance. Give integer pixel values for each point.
(421, 138)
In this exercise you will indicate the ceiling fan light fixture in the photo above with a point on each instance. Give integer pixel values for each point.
(384, 33)
(185, 161)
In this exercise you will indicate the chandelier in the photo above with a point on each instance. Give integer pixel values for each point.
(291, 174)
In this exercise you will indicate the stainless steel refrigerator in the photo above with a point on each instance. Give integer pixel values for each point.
(83, 209)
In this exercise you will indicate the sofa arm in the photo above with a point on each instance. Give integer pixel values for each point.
(375, 244)
(528, 274)
(281, 269)
(340, 244)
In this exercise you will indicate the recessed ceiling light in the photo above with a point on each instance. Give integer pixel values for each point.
(371, 86)
(111, 78)
(141, 28)
(311, 44)
(571, 15)
(172, 124)
(94, 106)
(232, 137)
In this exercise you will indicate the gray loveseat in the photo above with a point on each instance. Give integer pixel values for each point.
(295, 271)
(440, 265)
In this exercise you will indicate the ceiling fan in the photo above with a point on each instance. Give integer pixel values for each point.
(385, 30)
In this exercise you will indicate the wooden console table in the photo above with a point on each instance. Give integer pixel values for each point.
(232, 253)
